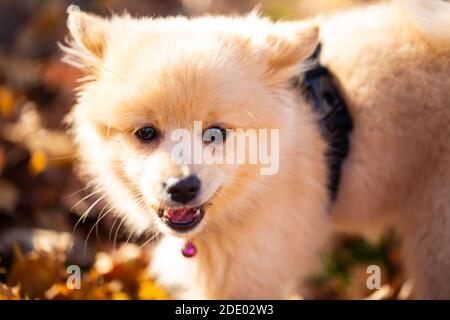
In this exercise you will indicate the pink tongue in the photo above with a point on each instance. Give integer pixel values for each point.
(182, 215)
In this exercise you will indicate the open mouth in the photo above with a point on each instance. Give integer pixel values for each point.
(182, 219)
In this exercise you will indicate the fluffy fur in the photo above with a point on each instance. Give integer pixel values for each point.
(262, 234)
(392, 62)
(233, 71)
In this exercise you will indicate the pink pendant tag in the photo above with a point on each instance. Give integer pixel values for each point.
(189, 250)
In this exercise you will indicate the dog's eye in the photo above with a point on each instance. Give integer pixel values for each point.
(215, 135)
(146, 133)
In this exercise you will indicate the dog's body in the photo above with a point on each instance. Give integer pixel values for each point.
(393, 65)
(263, 234)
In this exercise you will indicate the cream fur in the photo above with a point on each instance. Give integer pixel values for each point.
(171, 72)
(392, 61)
(430, 17)
(263, 234)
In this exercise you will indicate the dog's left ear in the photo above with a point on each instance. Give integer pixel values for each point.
(89, 37)
(287, 45)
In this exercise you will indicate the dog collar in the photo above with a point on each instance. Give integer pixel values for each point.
(319, 89)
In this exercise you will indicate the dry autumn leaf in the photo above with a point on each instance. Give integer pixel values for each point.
(7, 103)
(38, 162)
(47, 269)
(149, 290)
(9, 293)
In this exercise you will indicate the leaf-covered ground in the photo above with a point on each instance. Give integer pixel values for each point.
(46, 272)
(41, 199)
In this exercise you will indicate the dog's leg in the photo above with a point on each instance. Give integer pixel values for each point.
(427, 247)
(254, 272)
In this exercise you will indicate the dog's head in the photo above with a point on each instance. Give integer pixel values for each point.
(150, 81)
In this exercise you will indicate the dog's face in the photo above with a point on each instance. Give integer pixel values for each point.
(147, 79)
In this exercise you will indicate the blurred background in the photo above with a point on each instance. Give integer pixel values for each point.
(41, 199)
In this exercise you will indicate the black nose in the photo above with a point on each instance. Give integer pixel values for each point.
(183, 190)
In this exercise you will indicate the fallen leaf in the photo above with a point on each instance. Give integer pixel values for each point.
(406, 291)
(385, 292)
(149, 290)
(9, 293)
(7, 104)
(47, 270)
(120, 296)
(38, 162)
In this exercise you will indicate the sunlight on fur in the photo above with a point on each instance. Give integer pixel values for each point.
(261, 236)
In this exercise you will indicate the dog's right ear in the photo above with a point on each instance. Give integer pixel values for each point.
(88, 39)
(286, 45)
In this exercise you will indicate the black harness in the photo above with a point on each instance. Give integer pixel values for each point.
(319, 88)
